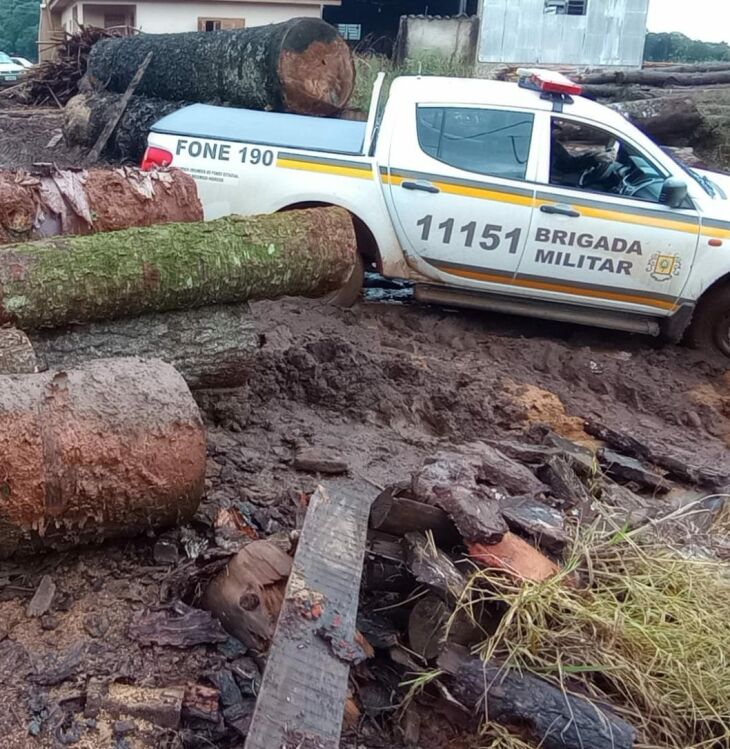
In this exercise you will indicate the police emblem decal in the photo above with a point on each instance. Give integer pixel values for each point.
(664, 267)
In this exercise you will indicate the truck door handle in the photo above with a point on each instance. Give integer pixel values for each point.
(424, 186)
(561, 210)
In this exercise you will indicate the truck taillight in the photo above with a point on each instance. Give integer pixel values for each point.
(154, 157)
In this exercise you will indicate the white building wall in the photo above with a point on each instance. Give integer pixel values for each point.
(167, 17)
(611, 33)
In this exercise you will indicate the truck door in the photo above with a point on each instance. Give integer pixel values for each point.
(600, 235)
(459, 192)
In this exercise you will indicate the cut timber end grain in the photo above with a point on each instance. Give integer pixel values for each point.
(516, 558)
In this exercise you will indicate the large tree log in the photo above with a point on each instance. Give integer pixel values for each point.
(671, 120)
(34, 206)
(657, 78)
(86, 114)
(113, 448)
(127, 273)
(302, 66)
(211, 347)
(540, 712)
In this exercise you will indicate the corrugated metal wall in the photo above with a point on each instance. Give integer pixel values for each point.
(519, 31)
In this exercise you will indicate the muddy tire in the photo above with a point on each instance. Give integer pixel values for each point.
(350, 293)
(710, 328)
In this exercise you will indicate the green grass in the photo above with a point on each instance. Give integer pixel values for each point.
(649, 631)
(367, 67)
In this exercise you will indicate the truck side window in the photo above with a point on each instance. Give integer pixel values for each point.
(485, 141)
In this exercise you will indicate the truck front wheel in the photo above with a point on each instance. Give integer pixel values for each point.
(350, 292)
(710, 327)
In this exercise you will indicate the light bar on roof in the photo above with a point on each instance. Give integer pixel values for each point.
(549, 82)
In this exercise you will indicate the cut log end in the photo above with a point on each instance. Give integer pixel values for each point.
(318, 76)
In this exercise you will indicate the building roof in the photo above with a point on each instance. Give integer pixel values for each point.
(59, 4)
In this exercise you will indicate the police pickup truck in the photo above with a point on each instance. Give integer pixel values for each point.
(516, 197)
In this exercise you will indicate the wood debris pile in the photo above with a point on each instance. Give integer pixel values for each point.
(56, 81)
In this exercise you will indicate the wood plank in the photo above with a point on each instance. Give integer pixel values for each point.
(304, 688)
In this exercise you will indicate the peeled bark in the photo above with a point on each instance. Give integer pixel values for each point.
(670, 120)
(113, 448)
(86, 114)
(302, 66)
(211, 347)
(68, 280)
(35, 206)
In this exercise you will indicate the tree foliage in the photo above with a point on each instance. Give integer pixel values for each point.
(19, 27)
(676, 47)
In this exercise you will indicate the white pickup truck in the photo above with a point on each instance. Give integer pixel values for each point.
(524, 198)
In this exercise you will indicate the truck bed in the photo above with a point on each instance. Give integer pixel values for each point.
(265, 128)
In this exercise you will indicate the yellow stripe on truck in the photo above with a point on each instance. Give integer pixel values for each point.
(312, 166)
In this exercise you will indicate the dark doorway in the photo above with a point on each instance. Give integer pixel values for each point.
(372, 25)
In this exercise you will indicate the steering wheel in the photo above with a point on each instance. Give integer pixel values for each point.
(598, 173)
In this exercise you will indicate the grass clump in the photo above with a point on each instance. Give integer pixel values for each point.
(648, 632)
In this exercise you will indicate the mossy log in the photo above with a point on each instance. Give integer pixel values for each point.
(35, 206)
(113, 448)
(66, 280)
(301, 65)
(211, 347)
(86, 114)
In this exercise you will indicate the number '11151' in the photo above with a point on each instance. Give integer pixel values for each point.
(492, 235)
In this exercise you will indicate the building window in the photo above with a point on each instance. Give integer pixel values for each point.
(485, 141)
(566, 7)
(218, 24)
(350, 31)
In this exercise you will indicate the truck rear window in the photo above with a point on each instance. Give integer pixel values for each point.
(485, 141)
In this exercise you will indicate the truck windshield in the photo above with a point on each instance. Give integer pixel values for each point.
(705, 183)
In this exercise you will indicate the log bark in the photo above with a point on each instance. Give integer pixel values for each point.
(211, 347)
(301, 65)
(543, 714)
(114, 448)
(671, 120)
(658, 78)
(37, 206)
(68, 280)
(85, 115)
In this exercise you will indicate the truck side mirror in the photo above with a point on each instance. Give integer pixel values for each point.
(674, 192)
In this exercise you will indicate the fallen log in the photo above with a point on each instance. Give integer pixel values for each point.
(37, 206)
(671, 120)
(113, 448)
(85, 115)
(301, 66)
(178, 266)
(211, 347)
(657, 78)
(545, 715)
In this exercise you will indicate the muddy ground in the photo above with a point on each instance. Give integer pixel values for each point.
(383, 386)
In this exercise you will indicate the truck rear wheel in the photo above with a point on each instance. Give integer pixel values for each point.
(351, 291)
(710, 327)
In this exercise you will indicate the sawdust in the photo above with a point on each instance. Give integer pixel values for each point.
(543, 407)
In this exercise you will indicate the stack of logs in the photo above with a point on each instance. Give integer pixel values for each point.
(301, 66)
(95, 449)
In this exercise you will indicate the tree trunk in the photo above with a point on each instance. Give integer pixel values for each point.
(98, 200)
(657, 78)
(86, 114)
(211, 347)
(543, 714)
(127, 273)
(302, 66)
(113, 448)
(671, 120)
